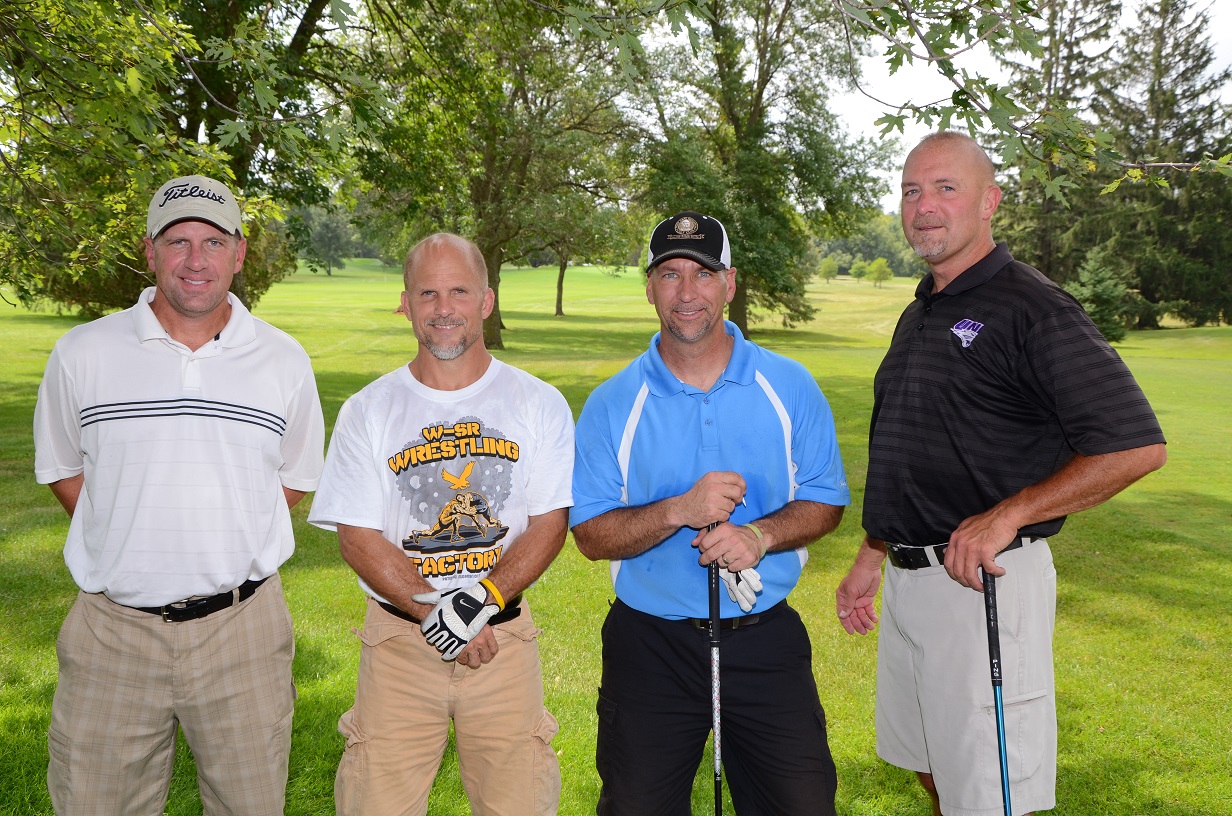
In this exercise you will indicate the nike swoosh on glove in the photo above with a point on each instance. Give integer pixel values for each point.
(742, 586)
(458, 616)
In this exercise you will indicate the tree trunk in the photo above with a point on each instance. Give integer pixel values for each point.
(738, 309)
(560, 287)
(239, 288)
(492, 325)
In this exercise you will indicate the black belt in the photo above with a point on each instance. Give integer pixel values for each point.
(512, 609)
(730, 623)
(200, 607)
(908, 557)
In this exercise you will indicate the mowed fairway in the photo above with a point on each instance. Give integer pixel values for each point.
(1144, 632)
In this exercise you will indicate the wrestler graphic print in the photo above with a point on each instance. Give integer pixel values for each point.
(455, 477)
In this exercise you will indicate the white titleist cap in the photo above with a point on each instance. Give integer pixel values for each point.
(194, 198)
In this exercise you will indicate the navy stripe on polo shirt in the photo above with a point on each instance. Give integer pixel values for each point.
(991, 385)
(163, 409)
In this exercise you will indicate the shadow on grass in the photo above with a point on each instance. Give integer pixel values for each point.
(629, 336)
(1086, 786)
(25, 322)
(1126, 783)
(1128, 548)
(23, 733)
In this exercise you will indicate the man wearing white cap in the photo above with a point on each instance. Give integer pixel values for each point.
(706, 448)
(177, 434)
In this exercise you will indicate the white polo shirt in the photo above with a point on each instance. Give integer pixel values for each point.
(185, 453)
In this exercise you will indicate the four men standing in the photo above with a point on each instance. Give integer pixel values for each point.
(178, 433)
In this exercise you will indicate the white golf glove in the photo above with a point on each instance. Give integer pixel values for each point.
(458, 616)
(742, 586)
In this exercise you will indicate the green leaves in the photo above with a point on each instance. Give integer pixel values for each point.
(342, 13)
(101, 102)
(1061, 136)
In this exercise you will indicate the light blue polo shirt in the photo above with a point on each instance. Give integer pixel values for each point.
(644, 435)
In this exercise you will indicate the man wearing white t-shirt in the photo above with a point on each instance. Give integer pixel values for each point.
(177, 435)
(448, 482)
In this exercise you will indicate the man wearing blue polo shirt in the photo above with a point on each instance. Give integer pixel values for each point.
(706, 429)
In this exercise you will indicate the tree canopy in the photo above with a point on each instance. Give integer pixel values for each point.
(741, 131)
(1155, 92)
(502, 118)
(100, 103)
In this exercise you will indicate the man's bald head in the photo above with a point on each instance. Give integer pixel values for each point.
(963, 144)
(438, 242)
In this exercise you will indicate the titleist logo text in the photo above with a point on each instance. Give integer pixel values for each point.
(191, 191)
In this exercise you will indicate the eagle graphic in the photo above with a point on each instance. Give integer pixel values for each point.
(459, 482)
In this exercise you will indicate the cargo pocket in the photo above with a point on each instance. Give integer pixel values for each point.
(520, 627)
(280, 739)
(1026, 732)
(374, 634)
(546, 766)
(820, 714)
(348, 783)
(59, 770)
(606, 709)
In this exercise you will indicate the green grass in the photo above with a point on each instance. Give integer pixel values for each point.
(1143, 653)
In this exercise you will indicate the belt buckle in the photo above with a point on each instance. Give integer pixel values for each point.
(167, 611)
(745, 620)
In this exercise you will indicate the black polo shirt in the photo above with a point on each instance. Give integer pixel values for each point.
(989, 386)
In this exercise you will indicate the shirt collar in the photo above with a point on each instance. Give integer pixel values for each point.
(979, 272)
(740, 368)
(239, 331)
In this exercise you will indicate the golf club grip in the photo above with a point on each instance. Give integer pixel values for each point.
(712, 573)
(994, 634)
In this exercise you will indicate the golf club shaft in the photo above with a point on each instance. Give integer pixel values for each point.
(716, 721)
(994, 663)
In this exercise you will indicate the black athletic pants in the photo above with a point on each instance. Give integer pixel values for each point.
(655, 716)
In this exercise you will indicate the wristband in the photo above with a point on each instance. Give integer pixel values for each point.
(761, 539)
(491, 587)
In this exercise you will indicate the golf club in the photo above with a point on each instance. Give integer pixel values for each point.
(994, 662)
(716, 720)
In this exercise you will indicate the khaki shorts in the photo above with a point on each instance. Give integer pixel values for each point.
(935, 711)
(406, 697)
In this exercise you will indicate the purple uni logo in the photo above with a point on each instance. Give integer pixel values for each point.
(967, 329)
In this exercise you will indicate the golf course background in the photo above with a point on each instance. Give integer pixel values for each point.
(1144, 618)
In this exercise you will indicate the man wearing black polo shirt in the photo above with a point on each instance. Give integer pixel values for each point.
(999, 409)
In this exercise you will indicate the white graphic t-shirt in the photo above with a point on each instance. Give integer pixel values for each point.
(449, 477)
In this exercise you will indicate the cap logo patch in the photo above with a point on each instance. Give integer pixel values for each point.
(190, 191)
(966, 330)
(686, 228)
